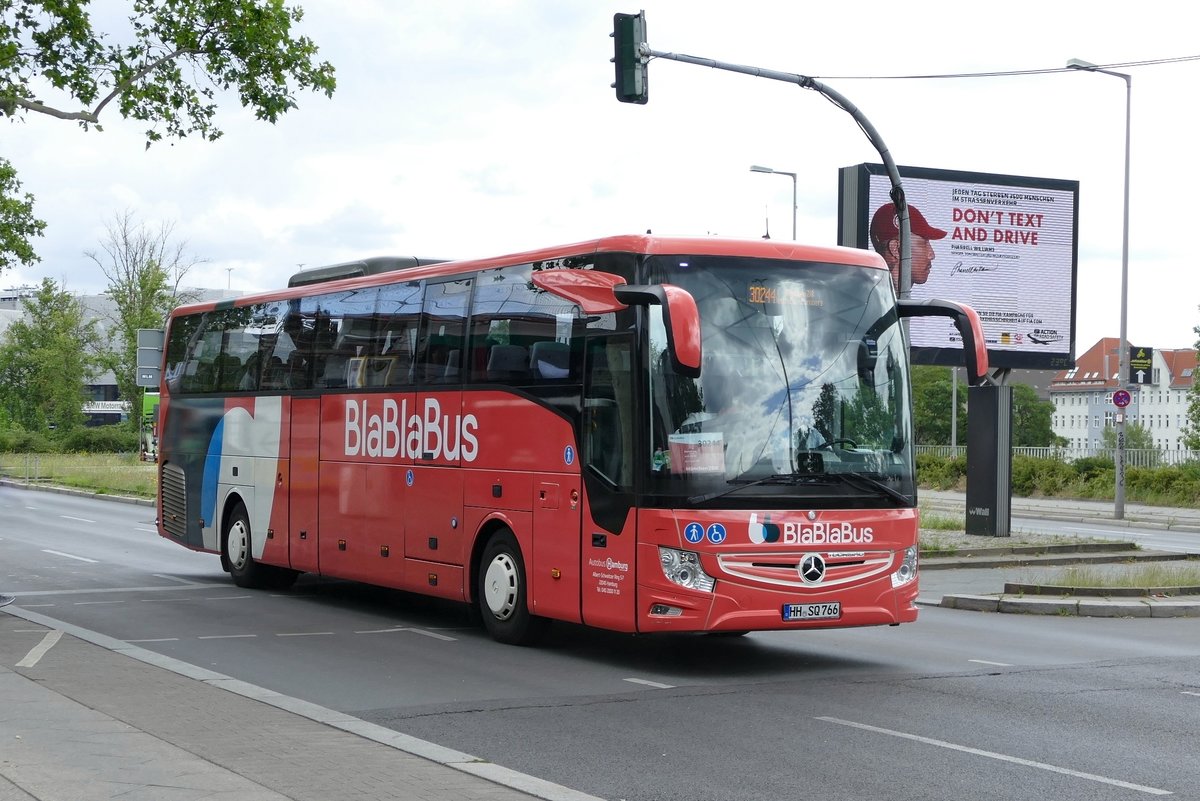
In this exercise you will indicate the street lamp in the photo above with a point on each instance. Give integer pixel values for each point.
(756, 168)
(1123, 345)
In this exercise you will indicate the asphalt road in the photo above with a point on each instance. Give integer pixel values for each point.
(959, 705)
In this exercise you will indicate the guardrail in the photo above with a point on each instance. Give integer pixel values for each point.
(1139, 457)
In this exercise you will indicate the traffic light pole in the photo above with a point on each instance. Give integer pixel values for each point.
(839, 100)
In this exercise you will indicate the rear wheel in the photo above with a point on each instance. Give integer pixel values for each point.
(502, 593)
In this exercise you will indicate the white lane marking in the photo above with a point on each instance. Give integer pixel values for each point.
(77, 519)
(105, 590)
(172, 578)
(1185, 692)
(302, 633)
(649, 683)
(1002, 757)
(158, 639)
(381, 631)
(432, 634)
(70, 556)
(225, 636)
(985, 662)
(38, 651)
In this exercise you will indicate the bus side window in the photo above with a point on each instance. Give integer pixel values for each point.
(443, 330)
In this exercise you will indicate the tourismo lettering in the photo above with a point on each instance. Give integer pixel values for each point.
(392, 432)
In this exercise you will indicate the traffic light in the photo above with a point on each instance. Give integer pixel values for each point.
(629, 34)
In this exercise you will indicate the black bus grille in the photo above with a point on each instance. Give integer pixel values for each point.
(174, 501)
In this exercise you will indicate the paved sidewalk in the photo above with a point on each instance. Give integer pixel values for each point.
(1172, 518)
(85, 717)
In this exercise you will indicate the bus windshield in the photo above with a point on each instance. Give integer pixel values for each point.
(803, 397)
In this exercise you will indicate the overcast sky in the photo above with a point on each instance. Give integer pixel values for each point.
(483, 127)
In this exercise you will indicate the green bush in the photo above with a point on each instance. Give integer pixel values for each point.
(1091, 466)
(941, 472)
(18, 440)
(1163, 485)
(100, 439)
(1047, 477)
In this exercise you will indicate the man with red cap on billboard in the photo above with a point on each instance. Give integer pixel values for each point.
(885, 238)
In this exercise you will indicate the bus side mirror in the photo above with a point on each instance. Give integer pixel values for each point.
(969, 328)
(682, 317)
(598, 292)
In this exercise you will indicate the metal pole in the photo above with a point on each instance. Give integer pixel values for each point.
(1123, 344)
(1123, 356)
(792, 175)
(795, 208)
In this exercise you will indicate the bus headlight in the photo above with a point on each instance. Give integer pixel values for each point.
(683, 568)
(908, 568)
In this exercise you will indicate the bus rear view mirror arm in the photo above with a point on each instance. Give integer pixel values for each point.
(682, 318)
(967, 322)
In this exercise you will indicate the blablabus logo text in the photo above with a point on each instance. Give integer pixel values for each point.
(392, 432)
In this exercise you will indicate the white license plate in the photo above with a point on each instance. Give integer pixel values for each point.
(825, 611)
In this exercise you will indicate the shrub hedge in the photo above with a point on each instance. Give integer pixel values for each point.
(96, 439)
(1091, 478)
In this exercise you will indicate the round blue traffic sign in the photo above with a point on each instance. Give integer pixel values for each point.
(1121, 398)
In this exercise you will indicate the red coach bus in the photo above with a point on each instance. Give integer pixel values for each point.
(636, 433)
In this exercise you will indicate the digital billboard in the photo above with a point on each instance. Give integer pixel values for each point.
(1003, 244)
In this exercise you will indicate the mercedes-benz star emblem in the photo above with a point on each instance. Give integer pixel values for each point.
(812, 569)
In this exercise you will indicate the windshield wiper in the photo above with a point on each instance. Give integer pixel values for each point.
(741, 484)
(864, 481)
(852, 478)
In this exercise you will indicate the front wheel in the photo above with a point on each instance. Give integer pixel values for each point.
(502, 593)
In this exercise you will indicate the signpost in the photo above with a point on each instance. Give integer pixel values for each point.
(1141, 365)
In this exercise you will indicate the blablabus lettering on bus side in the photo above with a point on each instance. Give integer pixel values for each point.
(821, 533)
(392, 431)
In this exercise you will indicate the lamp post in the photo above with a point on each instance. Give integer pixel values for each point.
(1123, 345)
(757, 168)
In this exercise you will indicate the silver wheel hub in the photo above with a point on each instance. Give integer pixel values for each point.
(500, 585)
(238, 546)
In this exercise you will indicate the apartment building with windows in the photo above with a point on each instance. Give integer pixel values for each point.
(1083, 396)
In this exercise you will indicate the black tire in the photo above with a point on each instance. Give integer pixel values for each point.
(501, 593)
(237, 548)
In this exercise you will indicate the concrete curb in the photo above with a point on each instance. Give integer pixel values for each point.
(12, 482)
(1072, 607)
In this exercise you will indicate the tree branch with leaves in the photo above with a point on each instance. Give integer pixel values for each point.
(166, 71)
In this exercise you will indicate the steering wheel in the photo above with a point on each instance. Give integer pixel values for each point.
(831, 443)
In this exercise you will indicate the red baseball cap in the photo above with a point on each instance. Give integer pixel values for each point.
(885, 225)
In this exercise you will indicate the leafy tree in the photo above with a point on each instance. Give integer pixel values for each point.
(1137, 437)
(165, 71)
(825, 412)
(1032, 419)
(46, 359)
(932, 401)
(867, 420)
(17, 223)
(144, 269)
(1191, 433)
